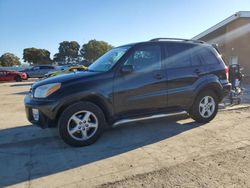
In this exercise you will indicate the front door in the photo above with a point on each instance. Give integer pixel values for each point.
(144, 89)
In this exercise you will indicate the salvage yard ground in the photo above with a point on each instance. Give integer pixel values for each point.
(164, 152)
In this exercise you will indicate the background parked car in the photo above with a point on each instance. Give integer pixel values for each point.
(6, 75)
(39, 71)
(69, 70)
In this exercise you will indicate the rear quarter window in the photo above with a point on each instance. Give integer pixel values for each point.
(208, 57)
(178, 55)
(196, 59)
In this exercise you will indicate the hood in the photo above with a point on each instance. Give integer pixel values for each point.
(64, 78)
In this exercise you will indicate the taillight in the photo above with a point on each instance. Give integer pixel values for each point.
(227, 71)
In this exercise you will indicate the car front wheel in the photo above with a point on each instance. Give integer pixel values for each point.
(205, 107)
(18, 79)
(81, 124)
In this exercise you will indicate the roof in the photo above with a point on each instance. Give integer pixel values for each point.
(165, 40)
(240, 14)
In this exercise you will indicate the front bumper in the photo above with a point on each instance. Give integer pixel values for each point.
(46, 115)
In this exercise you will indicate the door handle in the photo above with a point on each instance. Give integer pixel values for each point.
(197, 71)
(158, 76)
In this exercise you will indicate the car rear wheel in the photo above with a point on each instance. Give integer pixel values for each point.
(81, 124)
(205, 107)
(18, 79)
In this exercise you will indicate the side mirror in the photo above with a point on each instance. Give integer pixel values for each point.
(127, 69)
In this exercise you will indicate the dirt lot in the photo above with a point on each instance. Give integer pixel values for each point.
(172, 152)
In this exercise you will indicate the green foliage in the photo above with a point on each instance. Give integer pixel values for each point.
(9, 59)
(68, 51)
(94, 49)
(36, 56)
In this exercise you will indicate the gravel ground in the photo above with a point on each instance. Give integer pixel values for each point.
(168, 152)
(223, 169)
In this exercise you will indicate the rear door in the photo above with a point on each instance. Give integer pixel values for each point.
(184, 70)
(9, 76)
(43, 70)
(144, 89)
(34, 72)
(46, 69)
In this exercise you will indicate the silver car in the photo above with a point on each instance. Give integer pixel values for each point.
(39, 71)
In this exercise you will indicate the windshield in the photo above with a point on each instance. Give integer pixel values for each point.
(108, 60)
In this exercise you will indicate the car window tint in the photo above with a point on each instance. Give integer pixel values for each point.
(145, 59)
(196, 59)
(45, 67)
(208, 57)
(178, 55)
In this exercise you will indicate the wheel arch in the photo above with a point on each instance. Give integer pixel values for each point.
(17, 77)
(213, 86)
(95, 99)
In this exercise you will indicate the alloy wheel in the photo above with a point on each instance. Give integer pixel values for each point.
(82, 125)
(207, 106)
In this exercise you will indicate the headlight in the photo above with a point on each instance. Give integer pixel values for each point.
(46, 90)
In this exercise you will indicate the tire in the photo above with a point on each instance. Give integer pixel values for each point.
(18, 79)
(201, 111)
(81, 124)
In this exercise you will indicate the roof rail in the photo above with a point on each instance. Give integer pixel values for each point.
(176, 39)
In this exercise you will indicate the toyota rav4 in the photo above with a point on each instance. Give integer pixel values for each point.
(132, 82)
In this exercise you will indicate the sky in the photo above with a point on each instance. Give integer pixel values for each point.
(46, 23)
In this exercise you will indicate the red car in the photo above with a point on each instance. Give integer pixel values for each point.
(7, 75)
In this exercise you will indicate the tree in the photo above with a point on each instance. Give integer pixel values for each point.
(68, 51)
(36, 56)
(9, 59)
(94, 49)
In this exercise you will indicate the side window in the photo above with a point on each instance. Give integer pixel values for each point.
(44, 67)
(145, 59)
(35, 68)
(208, 58)
(196, 59)
(178, 55)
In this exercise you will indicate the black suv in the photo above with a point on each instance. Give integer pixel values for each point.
(131, 82)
